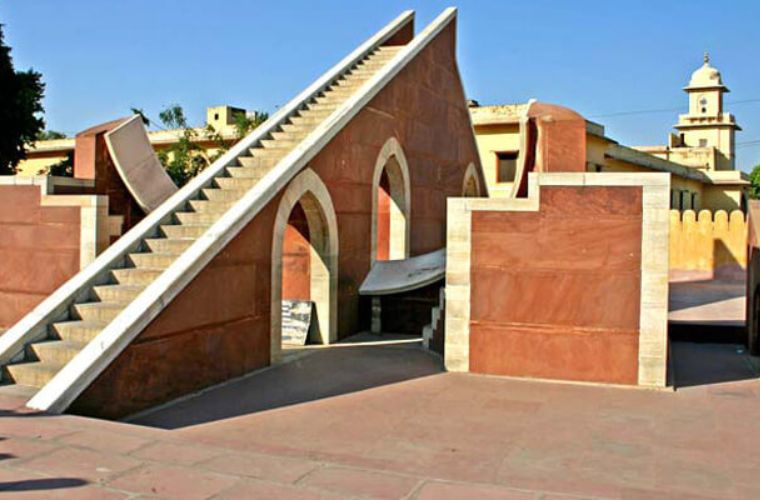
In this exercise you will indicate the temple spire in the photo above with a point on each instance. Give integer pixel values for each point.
(707, 57)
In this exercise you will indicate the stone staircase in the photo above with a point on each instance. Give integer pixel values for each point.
(432, 334)
(87, 318)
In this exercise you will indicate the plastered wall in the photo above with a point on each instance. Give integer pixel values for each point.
(711, 244)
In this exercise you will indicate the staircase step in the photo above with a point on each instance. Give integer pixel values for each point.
(117, 293)
(169, 245)
(152, 259)
(35, 374)
(134, 276)
(272, 153)
(213, 207)
(78, 331)
(297, 135)
(288, 143)
(185, 231)
(215, 194)
(97, 311)
(238, 183)
(257, 161)
(57, 352)
(246, 172)
(197, 218)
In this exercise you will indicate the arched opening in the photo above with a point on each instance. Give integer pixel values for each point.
(304, 266)
(471, 185)
(391, 199)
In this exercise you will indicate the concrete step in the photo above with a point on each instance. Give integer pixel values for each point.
(246, 172)
(297, 135)
(152, 259)
(195, 218)
(134, 276)
(208, 206)
(236, 183)
(320, 113)
(308, 121)
(275, 154)
(35, 374)
(169, 245)
(427, 335)
(186, 231)
(97, 311)
(216, 194)
(287, 143)
(117, 293)
(257, 161)
(78, 331)
(56, 352)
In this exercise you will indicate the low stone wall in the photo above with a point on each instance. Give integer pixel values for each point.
(708, 244)
(45, 238)
(569, 283)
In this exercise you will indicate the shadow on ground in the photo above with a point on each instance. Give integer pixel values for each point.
(41, 484)
(704, 364)
(324, 373)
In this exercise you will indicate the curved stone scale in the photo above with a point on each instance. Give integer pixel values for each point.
(395, 276)
(138, 165)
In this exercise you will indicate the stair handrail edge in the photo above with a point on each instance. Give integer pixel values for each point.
(33, 325)
(81, 371)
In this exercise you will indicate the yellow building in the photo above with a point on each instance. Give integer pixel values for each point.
(43, 154)
(700, 159)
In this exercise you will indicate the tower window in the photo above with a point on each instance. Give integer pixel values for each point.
(703, 103)
(703, 143)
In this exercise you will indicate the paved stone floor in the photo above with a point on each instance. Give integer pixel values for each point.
(710, 302)
(383, 421)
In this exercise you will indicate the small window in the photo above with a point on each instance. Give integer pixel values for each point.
(216, 116)
(694, 201)
(682, 195)
(506, 166)
(703, 143)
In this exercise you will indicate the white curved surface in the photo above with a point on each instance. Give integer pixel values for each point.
(138, 165)
(396, 276)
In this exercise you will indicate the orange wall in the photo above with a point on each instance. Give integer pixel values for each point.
(39, 250)
(555, 293)
(218, 327)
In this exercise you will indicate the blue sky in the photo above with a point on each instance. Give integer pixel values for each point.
(100, 57)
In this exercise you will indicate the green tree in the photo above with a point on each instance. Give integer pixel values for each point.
(186, 158)
(21, 95)
(50, 135)
(754, 180)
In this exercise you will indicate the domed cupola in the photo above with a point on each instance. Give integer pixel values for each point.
(706, 77)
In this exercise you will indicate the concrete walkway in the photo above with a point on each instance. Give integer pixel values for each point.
(385, 422)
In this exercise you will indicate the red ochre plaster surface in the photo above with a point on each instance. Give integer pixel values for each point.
(218, 327)
(39, 250)
(555, 293)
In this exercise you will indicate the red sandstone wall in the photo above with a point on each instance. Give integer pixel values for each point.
(555, 293)
(39, 250)
(218, 327)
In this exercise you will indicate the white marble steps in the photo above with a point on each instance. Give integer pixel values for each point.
(66, 338)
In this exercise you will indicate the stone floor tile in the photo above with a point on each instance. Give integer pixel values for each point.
(268, 467)
(176, 453)
(251, 488)
(81, 464)
(14, 449)
(438, 490)
(357, 482)
(173, 482)
(112, 442)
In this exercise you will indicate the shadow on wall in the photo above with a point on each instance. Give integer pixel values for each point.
(726, 266)
(323, 374)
